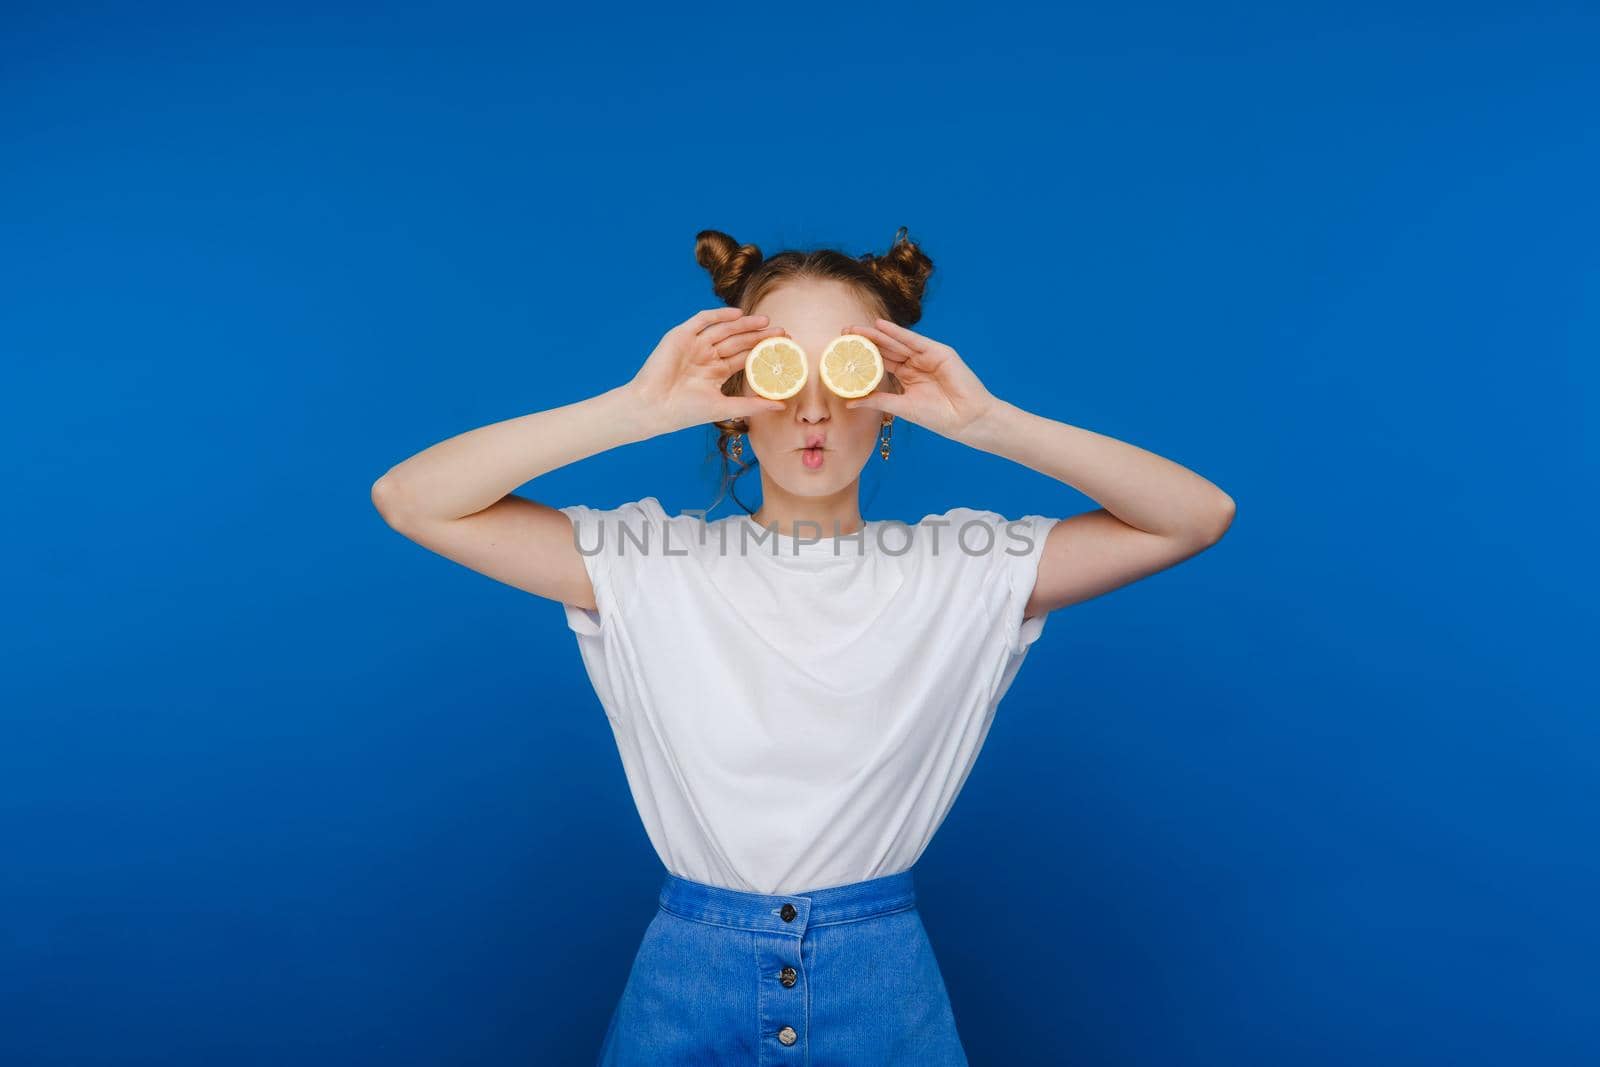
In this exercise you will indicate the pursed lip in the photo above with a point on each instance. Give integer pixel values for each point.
(815, 441)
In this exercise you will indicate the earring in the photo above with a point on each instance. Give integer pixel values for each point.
(738, 447)
(883, 439)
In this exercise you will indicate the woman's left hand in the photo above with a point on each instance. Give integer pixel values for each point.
(941, 392)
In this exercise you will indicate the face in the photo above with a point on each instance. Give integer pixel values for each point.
(813, 313)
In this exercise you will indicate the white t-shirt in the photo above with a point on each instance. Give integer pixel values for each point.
(794, 714)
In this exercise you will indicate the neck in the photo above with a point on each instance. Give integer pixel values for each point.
(837, 514)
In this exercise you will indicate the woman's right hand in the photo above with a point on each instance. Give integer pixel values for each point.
(680, 384)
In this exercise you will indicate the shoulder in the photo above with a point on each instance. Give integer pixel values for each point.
(968, 531)
(630, 511)
(644, 517)
(640, 528)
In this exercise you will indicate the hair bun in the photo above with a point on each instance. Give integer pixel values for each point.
(729, 263)
(902, 272)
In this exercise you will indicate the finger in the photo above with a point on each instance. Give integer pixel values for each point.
(738, 346)
(889, 403)
(746, 406)
(721, 331)
(888, 347)
(926, 357)
(699, 321)
(912, 340)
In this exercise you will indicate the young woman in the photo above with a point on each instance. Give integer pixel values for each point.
(797, 694)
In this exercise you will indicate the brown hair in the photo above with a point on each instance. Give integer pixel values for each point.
(891, 285)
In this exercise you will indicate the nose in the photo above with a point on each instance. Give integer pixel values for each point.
(815, 401)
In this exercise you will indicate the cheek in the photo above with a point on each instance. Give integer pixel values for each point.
(867, 429)
(762, 428)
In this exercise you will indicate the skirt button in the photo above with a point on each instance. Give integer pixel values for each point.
(788, 912)
(787, 977)
(787, 1035)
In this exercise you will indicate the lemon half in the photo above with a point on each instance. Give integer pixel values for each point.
(851, 365)
(776, 368)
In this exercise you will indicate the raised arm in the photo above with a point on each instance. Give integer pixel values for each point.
(1153, 512)
(455, 497)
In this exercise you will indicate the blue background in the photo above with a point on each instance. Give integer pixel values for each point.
(279, 786)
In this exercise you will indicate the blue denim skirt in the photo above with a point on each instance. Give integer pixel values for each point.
(836, 977)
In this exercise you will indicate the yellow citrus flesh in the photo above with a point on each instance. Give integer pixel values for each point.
(851, 365)
(776, 368)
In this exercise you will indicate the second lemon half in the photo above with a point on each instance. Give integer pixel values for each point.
(851, 365)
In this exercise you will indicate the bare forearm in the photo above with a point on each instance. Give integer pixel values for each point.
(1139, 487)
(472, 470)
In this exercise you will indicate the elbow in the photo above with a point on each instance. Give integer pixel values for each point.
(388, 496)
(1221, 519)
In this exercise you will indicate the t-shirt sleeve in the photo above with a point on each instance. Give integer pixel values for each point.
(610, 540)
(1023, 545)
(1010, 568)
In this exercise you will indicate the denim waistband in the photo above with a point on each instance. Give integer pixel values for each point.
(788, 912)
